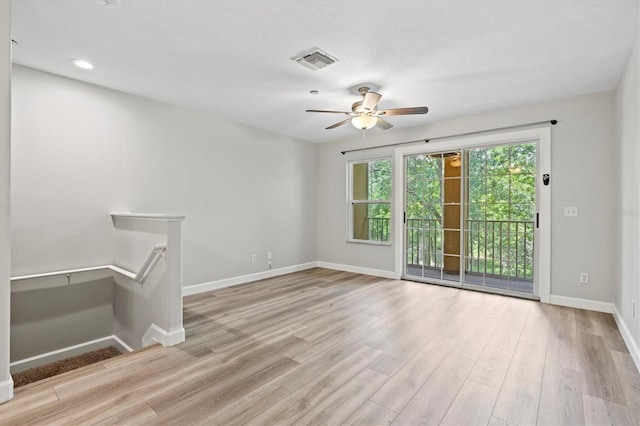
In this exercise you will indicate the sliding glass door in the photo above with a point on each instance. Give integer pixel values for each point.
(470, 217)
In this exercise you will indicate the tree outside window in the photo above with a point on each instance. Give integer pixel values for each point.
(370, 200)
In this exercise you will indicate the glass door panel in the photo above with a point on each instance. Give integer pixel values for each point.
(470, 217)
(500, 207)
(433, 213)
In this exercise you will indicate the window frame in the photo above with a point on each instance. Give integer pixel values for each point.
(351, 202)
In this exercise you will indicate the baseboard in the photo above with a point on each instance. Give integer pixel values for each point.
(6, 390)
(228, 282)
(121, 345)
(156, 334)
(573, 302)
(358, 270)
(632, 345)
(57, 355)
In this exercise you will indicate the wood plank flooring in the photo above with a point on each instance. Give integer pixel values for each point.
(322, 347)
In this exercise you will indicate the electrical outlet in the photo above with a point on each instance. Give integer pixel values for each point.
(254, 258)
(584, 278)
(571, 211)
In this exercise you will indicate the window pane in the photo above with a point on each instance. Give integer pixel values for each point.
(372, 180)
(370, 206)
(476, 161)
(498, 160)
(371, 221)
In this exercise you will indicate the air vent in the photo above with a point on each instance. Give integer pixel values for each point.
(315, 59)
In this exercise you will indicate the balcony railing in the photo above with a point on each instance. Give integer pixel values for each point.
(424, 242)
(500, 247)
(495, 247)
(377, 228)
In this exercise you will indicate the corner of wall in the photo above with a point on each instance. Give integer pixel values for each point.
(6, 383)
(627, 250)
(631, 343)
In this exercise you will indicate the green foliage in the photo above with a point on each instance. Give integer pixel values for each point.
(500, 207)
(379, 180)
(379, 188)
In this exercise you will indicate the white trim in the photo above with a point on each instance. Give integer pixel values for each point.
(170, 217)
(574, 302)
(156, 334)
(370, 242)
(121, 345)
(632, 345)
(543, 244)
(358, 270)
(69, 351)
(6, 390)
(242, 279)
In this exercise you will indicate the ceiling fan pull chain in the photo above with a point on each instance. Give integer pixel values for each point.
(364, 145)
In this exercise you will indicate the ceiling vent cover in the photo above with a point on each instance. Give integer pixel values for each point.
(315, 59)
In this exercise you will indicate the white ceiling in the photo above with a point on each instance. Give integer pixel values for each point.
(232, 58)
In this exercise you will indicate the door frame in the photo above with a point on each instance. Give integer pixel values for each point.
(542, 252)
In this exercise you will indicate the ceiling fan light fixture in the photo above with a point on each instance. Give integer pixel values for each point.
(81, 63)
(364, 121)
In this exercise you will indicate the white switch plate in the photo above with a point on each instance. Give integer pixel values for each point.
(571, 211)
(254, 258)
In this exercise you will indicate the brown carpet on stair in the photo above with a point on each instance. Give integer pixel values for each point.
(62, 366)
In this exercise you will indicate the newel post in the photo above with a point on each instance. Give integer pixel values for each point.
(174, 275)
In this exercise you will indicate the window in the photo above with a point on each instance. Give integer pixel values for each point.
(370, 201)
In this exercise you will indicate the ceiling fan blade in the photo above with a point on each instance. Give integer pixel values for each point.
(331, 112)
(404, 111)
(333, 126)
(383, 124)
(370, 100)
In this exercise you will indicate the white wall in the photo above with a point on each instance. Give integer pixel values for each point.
(82, 151)
(6, 384)
(584, 174)
(627, 216)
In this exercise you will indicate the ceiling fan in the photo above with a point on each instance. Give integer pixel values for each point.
(365, 114)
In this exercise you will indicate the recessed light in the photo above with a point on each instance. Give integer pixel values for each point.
(81, 63)
(313, 92)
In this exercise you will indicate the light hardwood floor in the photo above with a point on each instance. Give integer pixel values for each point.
(327, 347)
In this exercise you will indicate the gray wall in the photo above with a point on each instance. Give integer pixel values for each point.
(49, 319)
(627, 214)
(82, 151)
(584, 174)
